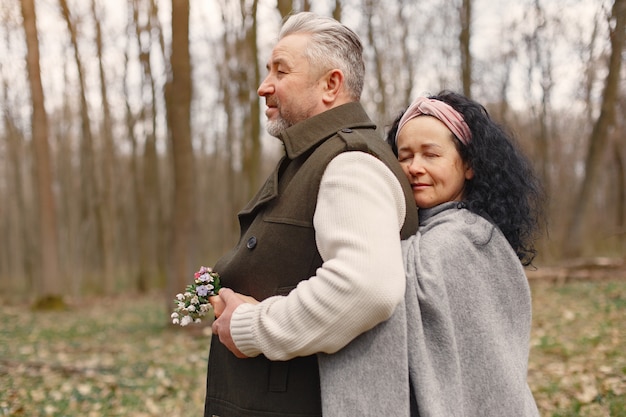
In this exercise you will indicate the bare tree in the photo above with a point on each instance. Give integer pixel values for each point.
(107, 165)
(17, 258)
(49, 278)
(239, 79)
(573, 245)
(464, 42)
(370, 10)
(284, 7)
(337, 10)
(178, 100)
(92, 207)
(252, 137)
(540, 58)
(147, 192)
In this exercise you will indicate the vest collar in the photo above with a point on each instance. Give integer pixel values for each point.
(304, 135)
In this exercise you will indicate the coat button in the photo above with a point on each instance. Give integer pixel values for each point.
(251, 243)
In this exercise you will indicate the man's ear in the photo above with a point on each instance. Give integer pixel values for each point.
(332, 84)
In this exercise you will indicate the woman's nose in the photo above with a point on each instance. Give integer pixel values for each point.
(416, 167)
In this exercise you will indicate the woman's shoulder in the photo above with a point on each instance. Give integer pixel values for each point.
(452, 224)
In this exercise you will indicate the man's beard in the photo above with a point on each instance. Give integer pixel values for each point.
(276, 127)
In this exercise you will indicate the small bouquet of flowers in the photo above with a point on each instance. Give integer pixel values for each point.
(194, 302)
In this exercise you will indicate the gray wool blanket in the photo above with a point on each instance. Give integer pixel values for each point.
(457, 346)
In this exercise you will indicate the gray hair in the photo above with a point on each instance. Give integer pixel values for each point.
(332, 45)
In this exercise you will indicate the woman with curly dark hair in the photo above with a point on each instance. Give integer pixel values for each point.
(459, 345)
(504, 189)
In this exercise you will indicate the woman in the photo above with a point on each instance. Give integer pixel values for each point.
(465, 326)
(478, 202)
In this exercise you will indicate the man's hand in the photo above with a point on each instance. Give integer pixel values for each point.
(224, 305)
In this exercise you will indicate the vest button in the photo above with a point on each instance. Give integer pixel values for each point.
(346, 130)
(251, 243)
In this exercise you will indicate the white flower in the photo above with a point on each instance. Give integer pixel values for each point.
(195, 300)
(174, 315)
(191, 308)
(180, 297)
(175, 321)
(186, 320)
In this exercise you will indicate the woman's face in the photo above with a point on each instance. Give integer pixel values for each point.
(431, 162)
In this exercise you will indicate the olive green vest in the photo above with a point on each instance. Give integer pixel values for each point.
(276, 251)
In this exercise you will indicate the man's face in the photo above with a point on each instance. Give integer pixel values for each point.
(292, 89)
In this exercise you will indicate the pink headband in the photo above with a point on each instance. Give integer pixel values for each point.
(442, 111)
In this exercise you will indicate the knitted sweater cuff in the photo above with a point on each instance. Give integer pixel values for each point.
(241, 330)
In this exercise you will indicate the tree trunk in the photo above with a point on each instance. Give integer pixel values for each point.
(464, 42)
(50, 279)
(18, 258)
(108, 165)
(284, 7)
(226, 86)
(152, 169)
(178, 99)
(618, 152)
(92, 216)
(337, 11)
(252, 155)
(596, 155)
(370, 10)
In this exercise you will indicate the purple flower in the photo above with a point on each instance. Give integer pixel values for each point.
(202, 290)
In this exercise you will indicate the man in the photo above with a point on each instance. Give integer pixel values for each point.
(320, 242)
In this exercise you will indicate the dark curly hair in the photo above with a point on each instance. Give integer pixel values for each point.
(505, 188)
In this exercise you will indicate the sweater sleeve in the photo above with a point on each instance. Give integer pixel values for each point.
(359, 213)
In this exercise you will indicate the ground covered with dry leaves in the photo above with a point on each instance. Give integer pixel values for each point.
(578, 348)
(103, 358)
(117, 357)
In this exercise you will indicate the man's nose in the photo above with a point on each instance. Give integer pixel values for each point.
(265, 88)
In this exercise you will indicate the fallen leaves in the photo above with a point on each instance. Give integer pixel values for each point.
(577, 362)
(111, 358)
(121, 358)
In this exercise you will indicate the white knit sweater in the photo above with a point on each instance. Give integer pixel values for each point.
(360, 211)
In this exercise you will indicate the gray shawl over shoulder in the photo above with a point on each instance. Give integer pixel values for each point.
(457, 346)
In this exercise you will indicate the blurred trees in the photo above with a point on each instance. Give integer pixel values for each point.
(601, 139)
(151, 136)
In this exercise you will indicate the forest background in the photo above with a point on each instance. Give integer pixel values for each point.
(131, 132)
